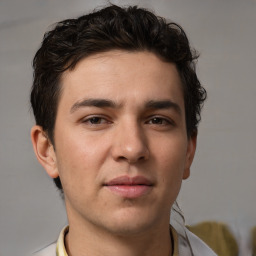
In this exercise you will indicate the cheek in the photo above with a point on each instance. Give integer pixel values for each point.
(79, 158)
(79, 145)
(172, 151)
(172, 159)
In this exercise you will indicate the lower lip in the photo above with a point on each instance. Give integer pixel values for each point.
(130, 191)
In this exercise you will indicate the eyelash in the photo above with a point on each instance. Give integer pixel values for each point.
(98, 118)
(164, 121)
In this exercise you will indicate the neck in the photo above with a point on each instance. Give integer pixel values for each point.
(88, 240)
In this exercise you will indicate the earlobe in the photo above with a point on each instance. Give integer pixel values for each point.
(44, 151)
(191, 149)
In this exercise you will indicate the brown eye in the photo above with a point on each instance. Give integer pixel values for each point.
(159, 121)
(95, 120)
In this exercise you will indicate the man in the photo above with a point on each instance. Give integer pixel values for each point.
(117, 102)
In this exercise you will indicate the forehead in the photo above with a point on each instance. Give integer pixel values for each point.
(121, 75)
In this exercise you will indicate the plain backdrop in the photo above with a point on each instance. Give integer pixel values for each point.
(222, 183)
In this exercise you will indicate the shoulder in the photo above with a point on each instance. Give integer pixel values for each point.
(50, 250)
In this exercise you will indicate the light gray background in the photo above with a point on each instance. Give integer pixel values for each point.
(222, 183)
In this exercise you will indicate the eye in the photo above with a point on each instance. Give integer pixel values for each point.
(95, 120)
(160, 121)
(157, 120)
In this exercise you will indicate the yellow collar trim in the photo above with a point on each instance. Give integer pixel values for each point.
(60, 248)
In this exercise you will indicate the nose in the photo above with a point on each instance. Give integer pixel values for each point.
(130, 144)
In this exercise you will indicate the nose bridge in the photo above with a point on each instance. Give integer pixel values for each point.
(130, 142)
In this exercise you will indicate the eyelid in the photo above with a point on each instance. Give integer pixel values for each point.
(90, 117)
(168, 120)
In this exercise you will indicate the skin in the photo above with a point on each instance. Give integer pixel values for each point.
(129, 137)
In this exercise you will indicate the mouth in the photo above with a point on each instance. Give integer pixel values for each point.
(129, 187)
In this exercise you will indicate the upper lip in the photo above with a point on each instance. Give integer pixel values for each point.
(126, 180)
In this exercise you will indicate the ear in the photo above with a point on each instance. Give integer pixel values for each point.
(44, 151)
(191, 149)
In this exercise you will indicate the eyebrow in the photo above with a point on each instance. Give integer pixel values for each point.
(99, 103)
(163, 104)
(105, 103)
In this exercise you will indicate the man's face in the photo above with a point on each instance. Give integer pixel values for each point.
(121, 148)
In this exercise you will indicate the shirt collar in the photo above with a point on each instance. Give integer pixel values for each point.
(60, 247)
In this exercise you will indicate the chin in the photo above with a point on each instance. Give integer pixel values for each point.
(131, 222)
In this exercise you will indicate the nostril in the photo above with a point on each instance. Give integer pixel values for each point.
(141, 158)
(122, 158)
